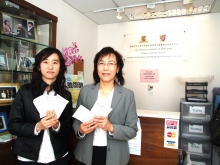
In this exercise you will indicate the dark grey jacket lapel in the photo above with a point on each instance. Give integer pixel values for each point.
(93, 95)
(116, 97)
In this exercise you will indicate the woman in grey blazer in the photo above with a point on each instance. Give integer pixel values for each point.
(104, 139)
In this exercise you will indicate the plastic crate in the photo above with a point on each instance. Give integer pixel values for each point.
(196, 112)
(197, 149)
(201, 161)
(194, 131)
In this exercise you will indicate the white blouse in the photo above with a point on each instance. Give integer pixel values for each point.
(100, 136)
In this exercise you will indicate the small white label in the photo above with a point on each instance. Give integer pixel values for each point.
(195, 147)
(196, 128)
(197, 110)
(198, 163)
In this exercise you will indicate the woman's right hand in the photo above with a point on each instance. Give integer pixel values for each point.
(48, 121)
(87, 127)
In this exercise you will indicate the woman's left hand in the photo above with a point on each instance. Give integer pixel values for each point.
(104, 123)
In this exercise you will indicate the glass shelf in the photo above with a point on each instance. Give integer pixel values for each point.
(15, 71)
(20, 41)
(36, 28)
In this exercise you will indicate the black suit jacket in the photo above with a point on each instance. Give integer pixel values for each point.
(32, 36)
(23, 118)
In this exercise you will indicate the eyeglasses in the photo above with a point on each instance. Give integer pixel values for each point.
(109, 64)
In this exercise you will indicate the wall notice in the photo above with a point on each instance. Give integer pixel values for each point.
(155, 46)
(135, 143)
(74, 84)
(149, 75)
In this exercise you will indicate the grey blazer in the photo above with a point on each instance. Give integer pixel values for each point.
(123, 118)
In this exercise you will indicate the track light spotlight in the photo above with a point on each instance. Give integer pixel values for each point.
(119, 10)
(119, 16)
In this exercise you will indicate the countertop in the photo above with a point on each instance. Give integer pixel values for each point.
(158, 114)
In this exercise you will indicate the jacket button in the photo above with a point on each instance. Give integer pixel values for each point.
(108, 149)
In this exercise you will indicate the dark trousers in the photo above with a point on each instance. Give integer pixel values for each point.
(98, 156)
(61, 161)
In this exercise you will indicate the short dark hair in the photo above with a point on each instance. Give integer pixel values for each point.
(120, 64)
(37, 75)
(31, 23)
(5, 21)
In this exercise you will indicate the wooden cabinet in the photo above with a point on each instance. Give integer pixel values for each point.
(6, 156)
(152, 145)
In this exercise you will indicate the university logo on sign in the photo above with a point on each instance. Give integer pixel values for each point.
(162, 37)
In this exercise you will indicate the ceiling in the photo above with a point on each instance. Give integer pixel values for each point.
(105, 11)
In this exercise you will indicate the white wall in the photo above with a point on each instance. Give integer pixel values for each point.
(202, 35)
(73, 26)
(203, 57)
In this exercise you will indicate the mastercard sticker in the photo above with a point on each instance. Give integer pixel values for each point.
(171, 134)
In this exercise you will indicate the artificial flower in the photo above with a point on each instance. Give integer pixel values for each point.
(70, 54)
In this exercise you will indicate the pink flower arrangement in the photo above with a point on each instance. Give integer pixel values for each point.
(70, 54)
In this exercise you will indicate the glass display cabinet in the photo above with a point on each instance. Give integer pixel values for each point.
(24, 31)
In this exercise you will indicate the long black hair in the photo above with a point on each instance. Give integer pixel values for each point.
(37, 75)
(120, 64)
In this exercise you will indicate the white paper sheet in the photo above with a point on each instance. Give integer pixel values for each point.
(100, 109)
(135, 143)
(83, 114)
(45, 102)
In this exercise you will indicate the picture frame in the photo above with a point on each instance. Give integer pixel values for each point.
(26, 63)
(3, 61)
(22, 78)
(12, 63)
(24, 53)
(8, 91)
(3, 122)
(19, 27)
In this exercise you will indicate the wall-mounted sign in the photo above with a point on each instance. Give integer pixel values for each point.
(171, 133)
(154, 46)
(74, 84)
(149, 75)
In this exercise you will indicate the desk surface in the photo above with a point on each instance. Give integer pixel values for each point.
(158, 114)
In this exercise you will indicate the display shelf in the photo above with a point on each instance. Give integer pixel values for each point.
(21, 12)
(17, 51)
(15, 71)
(19, 43)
